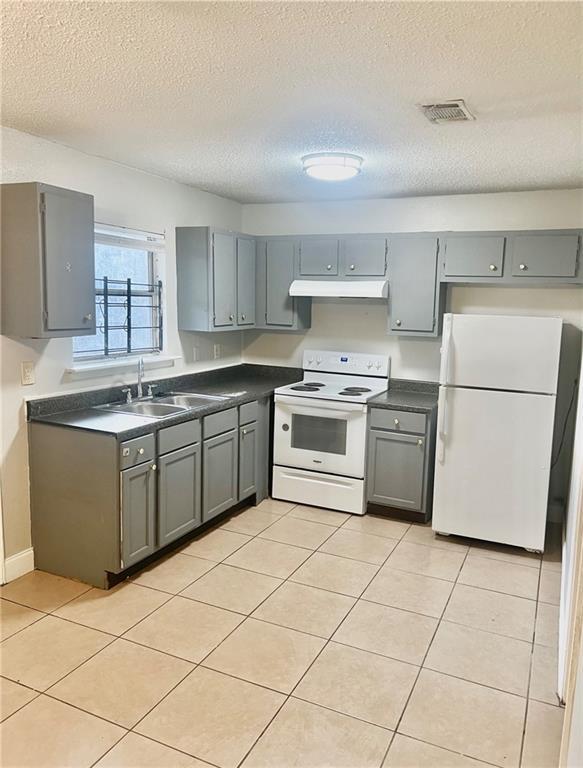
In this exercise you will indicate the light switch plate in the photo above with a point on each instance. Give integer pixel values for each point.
(27, 373)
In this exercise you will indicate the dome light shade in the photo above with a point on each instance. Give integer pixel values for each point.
(332, 166)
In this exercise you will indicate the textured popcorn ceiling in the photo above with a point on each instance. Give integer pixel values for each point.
(228, 96)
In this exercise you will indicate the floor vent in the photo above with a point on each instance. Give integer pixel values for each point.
(447, 112)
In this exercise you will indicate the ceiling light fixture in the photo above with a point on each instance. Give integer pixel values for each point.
(332, 166)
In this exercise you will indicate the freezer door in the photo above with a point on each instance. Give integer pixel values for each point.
(501, 352)
(493, 465)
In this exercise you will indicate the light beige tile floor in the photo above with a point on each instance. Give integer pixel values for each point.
(353, 642)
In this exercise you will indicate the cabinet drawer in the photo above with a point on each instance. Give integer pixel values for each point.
(398, 421)
(178, 436)
(220, 422)
(248, 413)
(544, 255)
(474, 256)
(136, 451)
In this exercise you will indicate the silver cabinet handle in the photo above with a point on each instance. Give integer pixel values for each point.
(493, 268)
(420, 442)
(231, 317)
(88, 317)
(522, 267)
(397, 422)
(242, 317)
(141, 451)
(352, 266)
(329, 266)
(244, 432)
(153, 467)
(397, 322)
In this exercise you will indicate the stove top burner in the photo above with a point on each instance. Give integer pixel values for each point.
(347, 393)
(314, 384)
(356, 390)
(305, 388)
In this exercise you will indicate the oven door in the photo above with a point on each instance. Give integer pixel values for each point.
(321, 435)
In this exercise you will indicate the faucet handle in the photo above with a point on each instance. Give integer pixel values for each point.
(151, 388)
(127, 391)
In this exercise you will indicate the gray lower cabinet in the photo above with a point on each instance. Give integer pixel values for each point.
(248, 449)
(138, 513)
(219, 474)
(48, 261)
(395, 469)
(415, 299)
(179, 493)
(276, 266)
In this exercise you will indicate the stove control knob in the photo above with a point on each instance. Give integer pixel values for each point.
(311, 361)
(378, 366)
(319, 361)
(369, 364)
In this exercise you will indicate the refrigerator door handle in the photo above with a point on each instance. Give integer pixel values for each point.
(441, 424)
(446, 349)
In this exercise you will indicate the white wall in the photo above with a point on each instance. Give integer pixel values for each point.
(125, 197)
(346, 324)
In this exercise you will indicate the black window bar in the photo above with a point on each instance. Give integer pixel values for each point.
(124, 309)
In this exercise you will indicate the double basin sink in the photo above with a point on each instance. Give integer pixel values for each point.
(167, 405)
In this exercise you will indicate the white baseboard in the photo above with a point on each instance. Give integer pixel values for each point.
(18, 564)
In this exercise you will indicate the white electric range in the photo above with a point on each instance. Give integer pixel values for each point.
(320, 429)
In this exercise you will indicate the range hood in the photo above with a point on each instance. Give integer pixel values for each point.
(364, 289)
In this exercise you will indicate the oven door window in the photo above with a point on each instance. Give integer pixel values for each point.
(319, 434)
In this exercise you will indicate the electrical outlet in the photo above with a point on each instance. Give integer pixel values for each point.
(217, 351)
(27, 373)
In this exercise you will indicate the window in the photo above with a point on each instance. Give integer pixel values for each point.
(128, 295)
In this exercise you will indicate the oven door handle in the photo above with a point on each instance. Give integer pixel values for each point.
(313, 404)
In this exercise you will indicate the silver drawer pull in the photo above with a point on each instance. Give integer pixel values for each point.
(522, 267)
(242, 317)
(352, 266)
(493, 268)
(329, 266)
(141, 451)
(420, 442)
(231, 317)
(88, 317)
(244, 432)
(397, 422)
(153, 467)
(397, 322)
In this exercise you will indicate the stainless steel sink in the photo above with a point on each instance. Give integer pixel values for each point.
(189, 399)
(157, 410)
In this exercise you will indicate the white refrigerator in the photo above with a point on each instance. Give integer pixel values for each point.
(496, 410)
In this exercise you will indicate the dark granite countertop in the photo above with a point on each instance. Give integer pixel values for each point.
(407, 395)
(239, 384)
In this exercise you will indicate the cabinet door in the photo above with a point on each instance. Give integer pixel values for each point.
(68, 261)
(179, 493)
(365, 256)
(224, 280)
(245, 281)
(247, 460)
(544, 255)
(219, 474)
(319, 257)
(474, 256)
(279, 274)
(395, 469)
(138, 512)
(412, 268)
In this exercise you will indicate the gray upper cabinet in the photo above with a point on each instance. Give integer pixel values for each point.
(248, 447)
(220, 473)
(364, 256)
(414, 296)
(319, 256)
(48, 261)
(245, 281)
(224, 280)
(215, 279)
(544, 255)
(179, 493)
(276, 266)
(473, 255)
(138, 513)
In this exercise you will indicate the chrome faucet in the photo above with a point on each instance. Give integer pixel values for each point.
(140, 377)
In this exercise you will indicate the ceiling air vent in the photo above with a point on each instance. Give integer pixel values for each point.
(447, 112)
